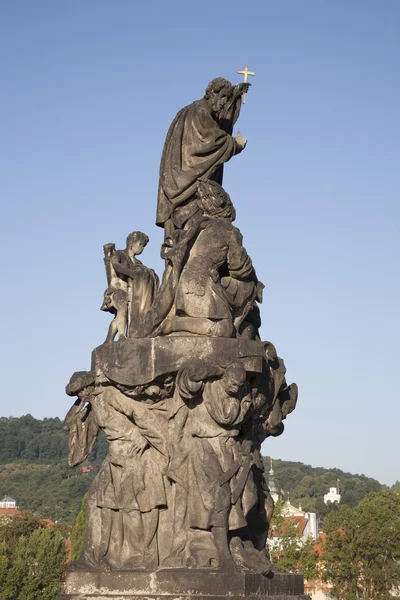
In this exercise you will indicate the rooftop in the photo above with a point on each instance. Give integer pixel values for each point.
(8, 499)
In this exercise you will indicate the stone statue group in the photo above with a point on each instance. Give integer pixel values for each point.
(183, 388)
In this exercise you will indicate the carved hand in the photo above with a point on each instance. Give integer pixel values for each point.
(244, 87)
(240, 141)
(139, 444)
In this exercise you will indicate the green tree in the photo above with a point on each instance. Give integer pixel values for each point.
(32, 559)
(35, 567)
(277, 519)
(23, 524)
(284, 554)
(78, 532)
(362, 551)
(3, 565)
(17, 571)
(291, 554)
(46, 553)
(308, 560)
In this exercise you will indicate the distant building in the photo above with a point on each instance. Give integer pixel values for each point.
(332, 496)
(9, 503)
(9, 509)
(308, 524)
(305, 522)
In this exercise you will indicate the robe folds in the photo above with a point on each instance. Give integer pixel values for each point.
(129, 493)
(199, 291)
(195, 147)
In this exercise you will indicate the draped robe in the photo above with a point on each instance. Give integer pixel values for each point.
(197, 145)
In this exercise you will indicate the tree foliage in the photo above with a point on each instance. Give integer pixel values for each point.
(39, 440)
(32, 439)
(78, 532)
(34, 467)
(291, 554)
(307, 485)
(362, 551)
(32, 563)
(23, 524)
(49, 491)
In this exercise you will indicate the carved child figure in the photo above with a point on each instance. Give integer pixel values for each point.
(131, 285)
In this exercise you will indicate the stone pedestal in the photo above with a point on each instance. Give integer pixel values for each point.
(131, 362)
(182, 584)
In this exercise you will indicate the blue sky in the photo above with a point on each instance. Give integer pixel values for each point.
(88, 92)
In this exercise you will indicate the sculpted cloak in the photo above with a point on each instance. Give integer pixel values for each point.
(196, 146)
(199, 291)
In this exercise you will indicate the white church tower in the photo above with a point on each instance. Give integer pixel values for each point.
(271, 483)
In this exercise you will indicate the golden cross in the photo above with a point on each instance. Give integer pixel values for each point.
(245, 73)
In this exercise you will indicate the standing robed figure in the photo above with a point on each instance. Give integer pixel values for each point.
(198, 143)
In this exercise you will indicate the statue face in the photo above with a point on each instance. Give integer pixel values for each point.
(136, 248)
(213, 102)
(234, 380)
(217, 100)
(233, 385)
(222, 98)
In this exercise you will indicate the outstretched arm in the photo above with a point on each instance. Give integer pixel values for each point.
(240, 143)
(241, 88)
(122, 270)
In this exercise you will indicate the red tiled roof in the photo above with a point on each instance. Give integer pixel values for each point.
(86, 468)
(319, 544)
(48, 522)
(9, 511)
(300, 523)
(14, 512)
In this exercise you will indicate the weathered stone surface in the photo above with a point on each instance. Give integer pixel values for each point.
(198, 143)
(133, 362)
(131, 285)
(185, 396)
(132, 596)
(178, 583)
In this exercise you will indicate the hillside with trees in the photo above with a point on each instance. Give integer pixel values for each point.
(305, 485)
(34, 467)
(34, 471)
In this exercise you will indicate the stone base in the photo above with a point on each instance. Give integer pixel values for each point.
(182, 584)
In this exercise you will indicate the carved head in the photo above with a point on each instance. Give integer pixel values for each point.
(214, 201)
(218, 92)
(81, 384)
(136, 242)
(234, 378)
